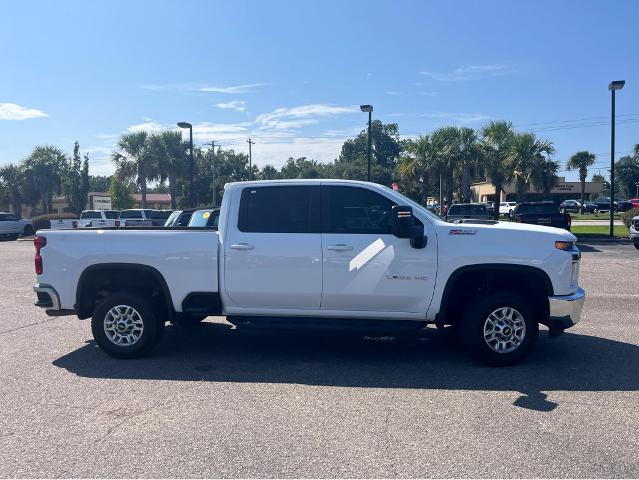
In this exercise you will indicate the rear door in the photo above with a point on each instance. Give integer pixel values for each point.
(366, 268)
(273, 253)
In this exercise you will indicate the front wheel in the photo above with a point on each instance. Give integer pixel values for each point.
(499, 329)
(125, 326)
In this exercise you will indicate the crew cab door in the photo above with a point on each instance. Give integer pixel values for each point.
(8, 223)
(272, 249)
(366, 268)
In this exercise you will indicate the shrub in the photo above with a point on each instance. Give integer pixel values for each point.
(44, 221)
(628, 215)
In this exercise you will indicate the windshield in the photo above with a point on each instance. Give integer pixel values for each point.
(112, 214)
(404, 200)
(160, 214)
(467, 210)
(540, 208)
(90, 214)
(171, 220)
(203, 218)
(131, 214)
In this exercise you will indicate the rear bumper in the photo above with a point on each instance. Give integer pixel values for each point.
(49, 300)
(565, 310)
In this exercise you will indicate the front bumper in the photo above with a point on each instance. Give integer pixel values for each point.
(565, 310)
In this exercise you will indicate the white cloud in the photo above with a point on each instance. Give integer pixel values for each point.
(295, 117)
(12, 111)
(470, 72)
(149, 126)
(233, 89)
(393, 92)
(460, 118)
(239, 105)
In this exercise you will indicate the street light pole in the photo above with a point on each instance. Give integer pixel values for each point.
(191, 167)
(613, 87)
(250, 142)
(369, 109)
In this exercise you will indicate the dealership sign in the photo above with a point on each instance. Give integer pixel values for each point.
(563, 187)
(102, 203)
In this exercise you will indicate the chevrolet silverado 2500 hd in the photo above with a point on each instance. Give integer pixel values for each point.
(317, 254)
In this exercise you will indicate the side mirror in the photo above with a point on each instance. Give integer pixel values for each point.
(403, 226)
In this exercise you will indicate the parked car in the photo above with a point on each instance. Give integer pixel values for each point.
(542, 213)
(590, 207)
(634, 231)
(99, 218)
(179, 218)
(12, 227)
(136, 217)
(570, 206)
(475, 211)
(507, 208)
(623, 205)
(159, 217)
(208, 217)
(603, 204)
(309, 254)
(635, 202)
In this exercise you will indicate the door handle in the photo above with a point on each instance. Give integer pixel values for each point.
(242, 246)
(340, 247)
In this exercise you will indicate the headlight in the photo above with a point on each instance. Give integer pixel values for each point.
(562, 245)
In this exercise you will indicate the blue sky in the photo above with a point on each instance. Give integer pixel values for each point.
(291, 74)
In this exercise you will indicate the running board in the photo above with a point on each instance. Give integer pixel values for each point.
(363, 325)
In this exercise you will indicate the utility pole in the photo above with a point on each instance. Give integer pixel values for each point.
(250, 142)
(213, 173)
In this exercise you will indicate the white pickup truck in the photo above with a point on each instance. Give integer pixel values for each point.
(99, 218)
(12, 227)
(317, 254)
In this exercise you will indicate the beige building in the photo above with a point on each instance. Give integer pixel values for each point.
(563, 190)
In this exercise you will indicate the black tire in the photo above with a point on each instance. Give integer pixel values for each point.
(28, 231)
(474, 319)
(152, 328)
(636, 244)
(190, 320)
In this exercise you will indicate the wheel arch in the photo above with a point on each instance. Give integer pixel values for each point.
(84, 309)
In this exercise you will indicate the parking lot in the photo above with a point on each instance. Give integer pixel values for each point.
(216, 402)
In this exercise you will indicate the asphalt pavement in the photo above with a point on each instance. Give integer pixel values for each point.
(216, 402)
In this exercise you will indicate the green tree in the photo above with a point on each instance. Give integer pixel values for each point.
(169, 153)
(544, 175)
(301, 168)
(497, 142)
(599, 178)
(73, 184)
(526, 154)
(98, 183)
(581, 161)
(43, 171)
(627, 174)
(468, 160)
(120, 193)
(415, 168)
(268, 172)
(134, 161)
(11, 186)
(445, 144)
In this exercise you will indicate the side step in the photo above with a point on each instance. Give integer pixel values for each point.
(363, 325)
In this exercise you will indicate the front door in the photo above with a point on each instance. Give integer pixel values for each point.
(366, 268)
(8, 224)
(273, 257)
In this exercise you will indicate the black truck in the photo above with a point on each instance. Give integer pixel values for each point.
(541, 213)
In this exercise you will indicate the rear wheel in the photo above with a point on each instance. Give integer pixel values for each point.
(636, 244)
(499, 329)
(28, 231)
(125, 326)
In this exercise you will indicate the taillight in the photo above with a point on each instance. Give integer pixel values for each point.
(569, 219)
(75, 224)
(38, 243)
(117, 223)
(519, 219)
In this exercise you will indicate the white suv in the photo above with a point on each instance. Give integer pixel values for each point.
(507, 208)
(12, 227)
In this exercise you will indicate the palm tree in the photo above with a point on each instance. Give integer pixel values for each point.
(544, 175)
(527, 152)
(497, 141)
(468, 160)
(445, 151)
(12, 186)
(416, 168)
(168, 153)
(135, 161)
(581, 161)
(43, 174)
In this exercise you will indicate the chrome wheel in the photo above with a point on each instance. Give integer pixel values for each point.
(504, 330)
(123, 325)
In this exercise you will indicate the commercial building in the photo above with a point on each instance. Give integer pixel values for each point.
(563, 190)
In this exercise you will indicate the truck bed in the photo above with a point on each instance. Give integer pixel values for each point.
(186, 258)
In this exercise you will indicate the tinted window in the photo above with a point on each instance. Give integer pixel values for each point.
(90, 214)
(7, 217)
(112, 214)
(541, 208)
(356, 210)
(160, 214)
(467, 210)
(280, 209)
(184, 219)
(131, 214)
(171, 220)
(147, 213)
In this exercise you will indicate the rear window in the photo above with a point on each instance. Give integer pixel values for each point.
(542, 209)
(90, 215)
(112, 214)
(279, 209)
(131, 214)
(467, 210)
